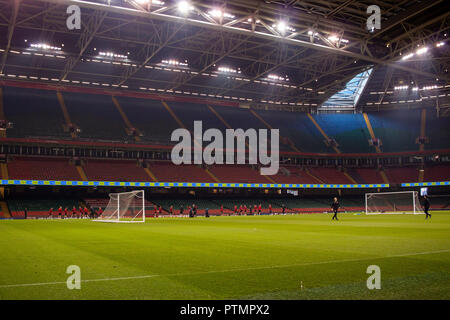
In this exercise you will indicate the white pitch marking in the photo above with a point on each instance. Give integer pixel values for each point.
(223, 271)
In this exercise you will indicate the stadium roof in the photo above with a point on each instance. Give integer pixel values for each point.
(287, 53)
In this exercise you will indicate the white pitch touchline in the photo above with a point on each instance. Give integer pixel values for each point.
(223, 271)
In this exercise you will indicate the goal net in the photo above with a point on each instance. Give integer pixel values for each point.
(404, 202)
(124, 207)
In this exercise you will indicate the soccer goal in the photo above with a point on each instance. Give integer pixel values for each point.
(124, 207)
(403, 202)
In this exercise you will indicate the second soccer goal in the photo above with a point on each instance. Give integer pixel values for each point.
(404, 202)
(124, 207)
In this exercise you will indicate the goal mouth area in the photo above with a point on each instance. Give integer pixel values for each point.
(118, 221)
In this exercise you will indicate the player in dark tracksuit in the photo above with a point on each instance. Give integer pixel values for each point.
(426, 206)
(335, 206)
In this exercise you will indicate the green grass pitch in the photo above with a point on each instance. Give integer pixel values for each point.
(264, 257)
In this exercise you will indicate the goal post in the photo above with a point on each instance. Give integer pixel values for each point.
(402, 202)
(124, 207)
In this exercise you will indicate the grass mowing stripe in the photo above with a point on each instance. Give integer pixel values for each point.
(224, 271)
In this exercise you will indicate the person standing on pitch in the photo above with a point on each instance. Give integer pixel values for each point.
(426, 206)
(335, 206)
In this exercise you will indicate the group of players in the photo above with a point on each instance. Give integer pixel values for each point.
(85, 212)
(192, 210)
(75, 213)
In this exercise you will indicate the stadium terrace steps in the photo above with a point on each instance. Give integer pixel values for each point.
(423, 126)
(127, 122)
(309, 173)
(212, 175)
(150, 174)
(62, 104)
(4, 171)
(42, 168)
(384, 176)
(81, 173)
(325, 136)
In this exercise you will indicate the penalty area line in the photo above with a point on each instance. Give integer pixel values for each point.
(224, 271)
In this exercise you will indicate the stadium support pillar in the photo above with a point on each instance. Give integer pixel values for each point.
(423, 124)
(369, 127)
(125, 118)
(81, 173)
(65, 112)
(150, 174)
(321, 131)
(291, 145)
(2, 113)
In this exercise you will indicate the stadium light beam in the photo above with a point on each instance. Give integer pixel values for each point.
(422, 51)
(184, 7)
(408, 56)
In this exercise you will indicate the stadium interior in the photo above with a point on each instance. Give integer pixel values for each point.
(94, 93)
(352, 107)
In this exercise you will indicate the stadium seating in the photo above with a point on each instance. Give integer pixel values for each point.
(437, 130)
(298, 128)
(366, 175)
(168, 172)
(293, 174)
(96, 116)
(39, 208)
(150, 117)
(98, 119)
(330, 175)
(44, 168)
(399, 175)
(114, 170)
(237, 174)
(349, 131)
(34, 113)
(437, 173)
(190, 112)
(397, 129)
